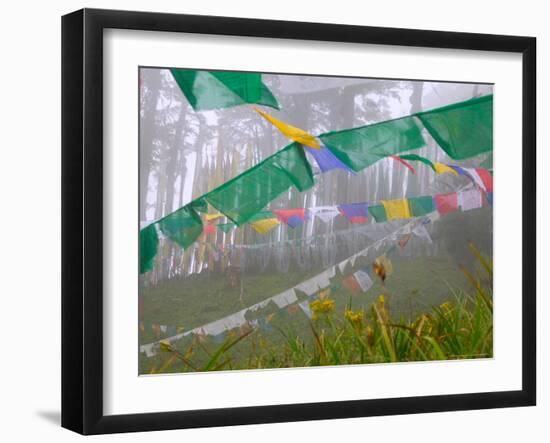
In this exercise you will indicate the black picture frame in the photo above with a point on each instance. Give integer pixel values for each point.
(82, 218)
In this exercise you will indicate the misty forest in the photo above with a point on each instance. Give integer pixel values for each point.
(346, 288)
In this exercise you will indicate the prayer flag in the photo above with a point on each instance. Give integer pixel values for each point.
(247, 194)
(404, 240)
(363, 146)
(264, 226)
(284, 298)
(421, 205)
(207, 90)
(148, 245)
(184, 226)
(355, 212)
(325, 213)
(351, 284)
(306, 308)
(292, 217)
(396, 209)
(363, 280)
(212, 217)
(441, 168)
(296, 134)
(486, 178)
(379, 213)
(464, 129)
(490, 198)
(326, 160)
(471, 199)
(446, 203)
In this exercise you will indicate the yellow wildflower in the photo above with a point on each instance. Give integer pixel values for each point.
(322, 307)
(447, 307)
(381, 300)
(354, 317)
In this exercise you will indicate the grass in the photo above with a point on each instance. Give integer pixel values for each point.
(416, 321)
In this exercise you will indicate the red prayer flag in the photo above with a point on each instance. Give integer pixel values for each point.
(285, 215)
(446, 203)
(486, 178)
(351, 284)
(209, 229)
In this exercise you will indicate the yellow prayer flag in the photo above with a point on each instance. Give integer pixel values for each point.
(265, 225)
(397, 208)
(296, 134)
(211, 217)
(441, 168)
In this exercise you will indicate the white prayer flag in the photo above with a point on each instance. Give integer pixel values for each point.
(342, 266)
(305, 307)
(285, 298)
(325, 213)
(470, 199)
(363, 279)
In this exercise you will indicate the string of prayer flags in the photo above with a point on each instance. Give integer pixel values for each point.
(421, 205)
(363, 146)
(296, 134)
(291, 217)
(416, 157)
(355, 212)
(363, 279)
(404, 163)
(378, 212)
(265, 225)
(442, 168)
(245, 195)
(148, 245)
(327, 161)
(470, 199)
(446, 203)
(206, 90)
(464, 129)
(396, 209)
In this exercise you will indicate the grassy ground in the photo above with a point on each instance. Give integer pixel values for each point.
(413, 296)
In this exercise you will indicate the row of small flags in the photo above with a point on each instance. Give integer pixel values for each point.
(358, 213)
(314, 287)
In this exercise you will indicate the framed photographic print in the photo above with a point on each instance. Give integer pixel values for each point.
(273, 221)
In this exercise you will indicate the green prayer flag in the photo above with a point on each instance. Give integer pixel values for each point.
(184, 226)
(464, 129)
(363, 146)
(226, 227)
(418, 158)
(207, 90)
(247, 194)
(148, 245)
(379, 213)
(421, 205)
